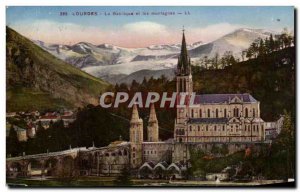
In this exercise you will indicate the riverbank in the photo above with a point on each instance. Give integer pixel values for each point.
(110, 182)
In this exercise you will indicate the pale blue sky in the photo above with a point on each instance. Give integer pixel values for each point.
(33, 22)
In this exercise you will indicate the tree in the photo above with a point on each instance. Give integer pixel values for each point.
(205, 60)
(215, 61)
(261, 47)
(13, 144)
(286, 142)
(125, 178)
(271, 44)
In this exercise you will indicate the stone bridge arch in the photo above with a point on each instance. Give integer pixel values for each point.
(67, 166)
(35, 167)
(52, 166)
(14, 169)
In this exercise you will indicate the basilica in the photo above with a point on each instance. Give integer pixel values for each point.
(212, 119)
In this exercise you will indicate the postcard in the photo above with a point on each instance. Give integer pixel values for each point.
(131, 96)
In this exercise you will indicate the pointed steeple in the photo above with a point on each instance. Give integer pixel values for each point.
(135, 114)
(136, 137)
(152, 117)
(183, 65)
(152, 129)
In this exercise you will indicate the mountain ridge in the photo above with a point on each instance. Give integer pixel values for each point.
(106, 60)
(28, 66)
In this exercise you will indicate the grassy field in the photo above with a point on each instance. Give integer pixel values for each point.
(22, 99)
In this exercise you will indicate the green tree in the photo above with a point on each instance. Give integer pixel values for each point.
(271, 43)
(286, 142)
(125, 178)
(13, 144)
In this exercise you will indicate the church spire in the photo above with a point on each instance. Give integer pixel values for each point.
(152, 129)
(183, 66)
(152, 117)
(135, 114)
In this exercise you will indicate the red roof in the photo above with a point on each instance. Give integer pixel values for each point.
(67, 117)
(49, 117)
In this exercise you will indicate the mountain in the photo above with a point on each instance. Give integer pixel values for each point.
(109, 61)
(37, 80)
(235, 42)
(140, 75)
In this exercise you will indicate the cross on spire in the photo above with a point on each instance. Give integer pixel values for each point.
(183, 65)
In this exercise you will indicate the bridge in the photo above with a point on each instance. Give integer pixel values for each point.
(86, 161)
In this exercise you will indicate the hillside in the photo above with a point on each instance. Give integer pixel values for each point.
(35, 79)
(269, 78)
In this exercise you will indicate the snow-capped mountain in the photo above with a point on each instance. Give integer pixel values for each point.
(111, 62)
(235, 42)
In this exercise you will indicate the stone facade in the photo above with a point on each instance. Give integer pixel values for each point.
(214, 117)
(152, 129)
(136, 138)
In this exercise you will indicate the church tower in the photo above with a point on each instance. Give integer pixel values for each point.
(152, 129)
(184, 84)
(136, 138)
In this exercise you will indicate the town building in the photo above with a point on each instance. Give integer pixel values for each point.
(21, 133)
(45, 120)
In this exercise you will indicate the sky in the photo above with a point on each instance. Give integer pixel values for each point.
(149, 27)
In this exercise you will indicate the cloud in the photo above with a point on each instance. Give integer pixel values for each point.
(145, 33)
(56, 32)
(135, 34)
(212, 32)
(145, 27)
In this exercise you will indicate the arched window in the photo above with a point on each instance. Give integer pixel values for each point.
(190, 128)
(215, 128)
(208, 113)
(223, 127)
(180, 85)
(198, 127)
(246, 112)
(253, 112)
(206, 127)
(217, 113)
(200, 113)
(192, 113)
(225, 113)
(236, 112)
